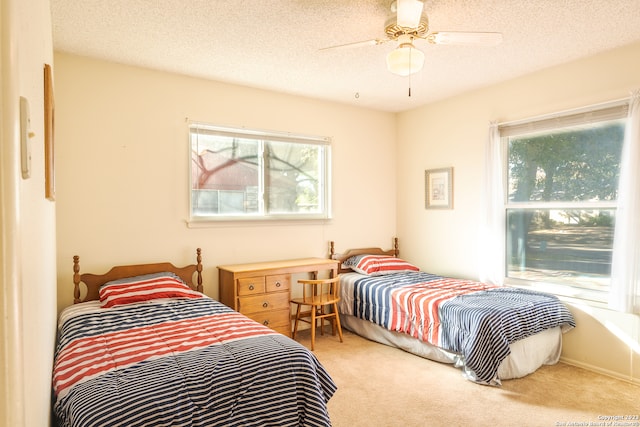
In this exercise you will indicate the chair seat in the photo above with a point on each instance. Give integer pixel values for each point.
(322, 297)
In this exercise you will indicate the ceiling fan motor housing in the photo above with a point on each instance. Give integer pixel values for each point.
(393, 30)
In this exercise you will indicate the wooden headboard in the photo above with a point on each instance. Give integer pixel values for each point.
(360, 251)
(94, 281)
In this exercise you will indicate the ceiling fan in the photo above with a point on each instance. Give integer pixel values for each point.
(408, 23)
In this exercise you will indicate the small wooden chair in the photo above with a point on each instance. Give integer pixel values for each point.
(318, 294)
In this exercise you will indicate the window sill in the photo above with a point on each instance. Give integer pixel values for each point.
(567, 294)
(217, 223)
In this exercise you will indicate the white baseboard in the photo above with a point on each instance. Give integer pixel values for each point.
(598, 370)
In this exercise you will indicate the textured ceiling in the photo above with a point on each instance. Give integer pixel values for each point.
(274, 44)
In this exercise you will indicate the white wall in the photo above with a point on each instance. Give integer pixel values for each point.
(28, 222)
(454, 132)
(123, 171)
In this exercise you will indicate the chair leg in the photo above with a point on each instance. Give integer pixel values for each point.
(333, 325)
(335, 308)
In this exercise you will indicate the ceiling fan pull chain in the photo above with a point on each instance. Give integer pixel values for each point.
(410, 51)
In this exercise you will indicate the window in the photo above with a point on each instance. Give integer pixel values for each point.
(561, 198)
(242, 174)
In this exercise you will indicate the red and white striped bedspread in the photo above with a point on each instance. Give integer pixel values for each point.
(414, 308)
(192, 362)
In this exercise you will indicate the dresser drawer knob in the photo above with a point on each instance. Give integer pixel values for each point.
(278, 284)
(265, 323)
(251, 287)
(265, 304)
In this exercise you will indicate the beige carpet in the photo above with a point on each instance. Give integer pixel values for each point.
(383, 386)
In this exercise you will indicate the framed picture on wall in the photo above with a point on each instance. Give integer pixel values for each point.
(439, 188)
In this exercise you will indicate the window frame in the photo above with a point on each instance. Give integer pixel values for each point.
(596, 114)
(262, 137)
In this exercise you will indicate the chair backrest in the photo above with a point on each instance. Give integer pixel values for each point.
(324, 291)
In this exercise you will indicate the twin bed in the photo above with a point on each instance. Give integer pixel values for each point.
(145, 347)
(491, 332)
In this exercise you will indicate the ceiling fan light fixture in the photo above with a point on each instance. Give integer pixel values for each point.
(405, 60)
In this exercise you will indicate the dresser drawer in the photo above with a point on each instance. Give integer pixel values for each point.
(275, 319)
(251, 285)
(279, 282)
(273, 301)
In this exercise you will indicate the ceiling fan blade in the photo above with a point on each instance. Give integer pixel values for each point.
(465, 38)
(408, 13)
(373, 42)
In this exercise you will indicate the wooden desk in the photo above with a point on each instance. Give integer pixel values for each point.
(262, 290)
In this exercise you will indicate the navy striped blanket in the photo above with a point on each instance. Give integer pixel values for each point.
(182, 362)
(475, 320)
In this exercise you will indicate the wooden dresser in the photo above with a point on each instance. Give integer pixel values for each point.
(262, 290)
